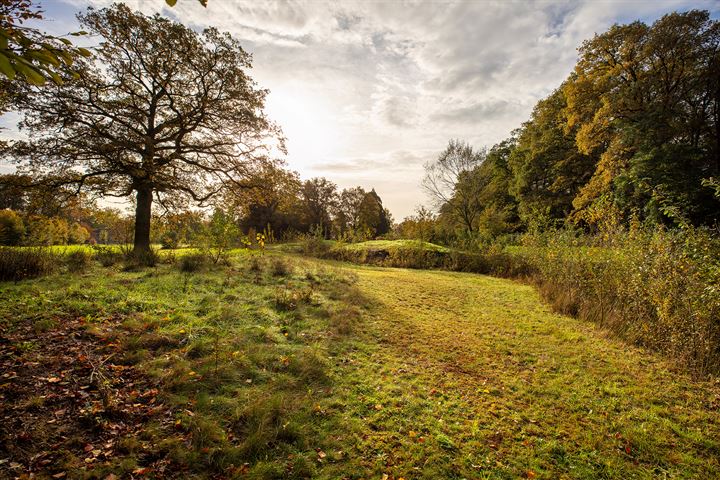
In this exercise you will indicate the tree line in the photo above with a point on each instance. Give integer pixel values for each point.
(633, 134)
(278, 204)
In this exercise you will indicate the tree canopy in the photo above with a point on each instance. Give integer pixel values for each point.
(633, 132)
(161, 112)
(29, 52)
(450, 185)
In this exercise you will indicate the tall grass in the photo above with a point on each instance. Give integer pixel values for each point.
(20, 263)
(659, 289)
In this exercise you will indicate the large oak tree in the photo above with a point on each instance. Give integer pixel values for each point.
(161, 112)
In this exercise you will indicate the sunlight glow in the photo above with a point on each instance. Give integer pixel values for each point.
(307, 123)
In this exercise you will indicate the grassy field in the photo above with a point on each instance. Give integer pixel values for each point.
(390, 244)
(278, 366)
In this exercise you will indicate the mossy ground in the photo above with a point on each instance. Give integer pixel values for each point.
(283, 367)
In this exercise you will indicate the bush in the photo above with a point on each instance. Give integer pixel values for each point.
(193, 262)
(170, 240)
(12, 228)
(79, 260)
(143, 258)
(21, 263)
(106, 255)
(414, 257)
(281, 267)
(314, 245)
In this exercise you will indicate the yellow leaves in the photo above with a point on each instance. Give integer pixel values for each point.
(260, 238)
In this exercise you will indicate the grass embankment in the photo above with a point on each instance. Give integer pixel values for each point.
(291, 368)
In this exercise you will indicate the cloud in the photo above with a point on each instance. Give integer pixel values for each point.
(477, 112)
(393, 161)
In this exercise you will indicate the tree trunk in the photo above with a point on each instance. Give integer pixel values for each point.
(142, 220)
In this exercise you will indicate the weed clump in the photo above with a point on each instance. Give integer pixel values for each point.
(281, 268)
(78, 261)
(106, 255)
(290, 298)
(344, 320)
(193, 262)
(21, 263)
(137, 260)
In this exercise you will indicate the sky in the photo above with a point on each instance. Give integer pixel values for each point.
(368, 92)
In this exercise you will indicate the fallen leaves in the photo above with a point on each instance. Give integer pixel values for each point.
(50, 407)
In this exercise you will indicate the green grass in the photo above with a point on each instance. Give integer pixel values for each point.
(497, 386)
(394, 244)
(316, 369)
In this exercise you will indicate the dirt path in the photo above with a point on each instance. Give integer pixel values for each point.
(465, 376)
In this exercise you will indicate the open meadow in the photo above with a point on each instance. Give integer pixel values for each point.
(281, 366)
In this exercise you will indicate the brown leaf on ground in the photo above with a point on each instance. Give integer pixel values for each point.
(65, 399)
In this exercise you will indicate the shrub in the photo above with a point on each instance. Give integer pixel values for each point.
(12, 228)
(413, 257)
(193, 262)
(281, 267)
(21, 263)
(170, 240)
(79, 260)
(314, 245)
(220, 236)
(106, 255)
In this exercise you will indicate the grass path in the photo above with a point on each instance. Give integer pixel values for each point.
(464, 376)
